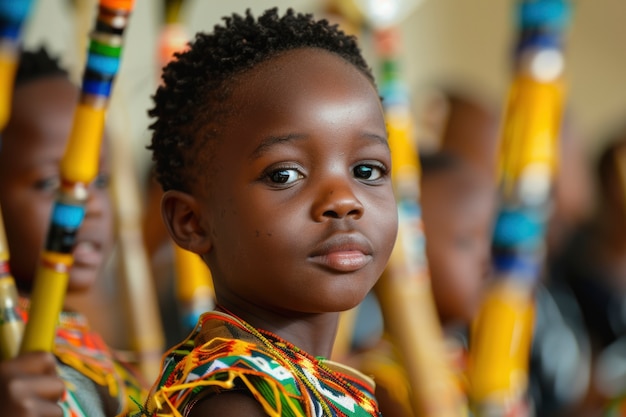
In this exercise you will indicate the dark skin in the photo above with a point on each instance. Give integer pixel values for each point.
(457, 208)
(471, 131)
(297, 218)
(30, 387)
(33, 144)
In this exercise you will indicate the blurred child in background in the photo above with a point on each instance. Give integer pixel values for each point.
(458, 206)
(82, 375)
(458, 203)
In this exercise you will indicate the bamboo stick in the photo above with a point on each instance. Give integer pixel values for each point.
(79, 166)
(405, 290)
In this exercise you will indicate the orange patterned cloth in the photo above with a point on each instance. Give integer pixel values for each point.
(97, 383)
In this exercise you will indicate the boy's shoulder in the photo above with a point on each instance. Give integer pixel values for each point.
(220, 356)
(225, 354)
(219, 346)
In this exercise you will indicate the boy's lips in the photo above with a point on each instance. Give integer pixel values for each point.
(87, 254)
(343, 253)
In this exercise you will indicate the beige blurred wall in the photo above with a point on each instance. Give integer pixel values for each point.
(446, 41)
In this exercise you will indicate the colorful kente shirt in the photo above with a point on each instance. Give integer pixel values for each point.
(617, 407)
(97, 384)
(226, 353)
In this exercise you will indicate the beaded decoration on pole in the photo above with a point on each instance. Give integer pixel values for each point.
(405, 290)
(13, 15)
(502, 333)
(79, 167)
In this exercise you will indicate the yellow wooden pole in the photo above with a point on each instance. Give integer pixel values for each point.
(502, 333)
(79, 166)
(145, 329)
(405, 290)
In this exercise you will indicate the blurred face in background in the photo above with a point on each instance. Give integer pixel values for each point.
(458, 207)
(33, 144)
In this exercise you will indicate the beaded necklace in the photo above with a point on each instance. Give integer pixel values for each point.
(297, 360)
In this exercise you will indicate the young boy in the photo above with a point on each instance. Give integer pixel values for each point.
(271, 147)
(82, 377)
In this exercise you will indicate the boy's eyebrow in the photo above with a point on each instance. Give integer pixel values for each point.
(270, 141)
(382, 139)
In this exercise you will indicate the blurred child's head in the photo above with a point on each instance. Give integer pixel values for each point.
(572, 198)
(32, 145)
(271, 147)
(469, 127)
(458, 205)
(611, 177)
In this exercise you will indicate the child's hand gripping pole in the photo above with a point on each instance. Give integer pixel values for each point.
(79, 167)
(502, 333)
(13, 14)
(405, 290)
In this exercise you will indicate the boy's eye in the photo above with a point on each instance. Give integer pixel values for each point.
(284, 176)
(102, 181)
(48, 184)
(368, 172)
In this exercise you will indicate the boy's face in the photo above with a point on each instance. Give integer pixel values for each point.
(299, 204)
(32, 146)
(457, 214)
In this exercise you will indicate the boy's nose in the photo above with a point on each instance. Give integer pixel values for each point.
(336, 201)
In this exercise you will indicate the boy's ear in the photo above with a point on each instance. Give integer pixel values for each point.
(182, 215)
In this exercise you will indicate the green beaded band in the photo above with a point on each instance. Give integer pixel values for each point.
(104, 49)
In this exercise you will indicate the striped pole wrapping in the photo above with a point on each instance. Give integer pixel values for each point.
(13, 15)
(405, 290)
(79, 166)
(502, 333)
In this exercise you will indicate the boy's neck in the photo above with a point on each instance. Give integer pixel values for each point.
(313, 333)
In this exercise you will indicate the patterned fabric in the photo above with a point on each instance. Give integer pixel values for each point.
(225, 353)
(97, 384)
(617, 408)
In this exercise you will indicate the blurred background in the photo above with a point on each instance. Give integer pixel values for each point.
(456, 61)
(461, 43)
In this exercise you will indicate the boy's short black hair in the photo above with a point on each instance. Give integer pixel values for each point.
(189, 105)
(37, 64)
